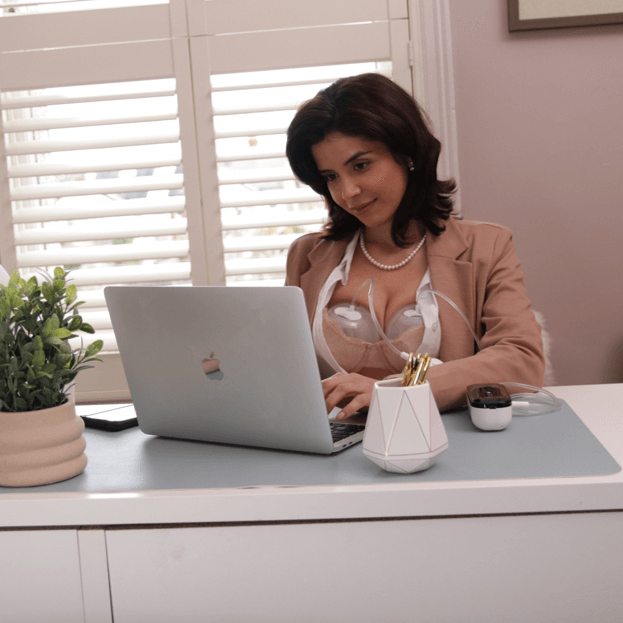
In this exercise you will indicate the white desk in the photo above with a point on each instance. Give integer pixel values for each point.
(490, 550)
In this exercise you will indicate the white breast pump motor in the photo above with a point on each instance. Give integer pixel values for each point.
(490, 406)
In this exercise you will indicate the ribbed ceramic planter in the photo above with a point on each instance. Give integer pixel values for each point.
(41, 447)
(404, 432)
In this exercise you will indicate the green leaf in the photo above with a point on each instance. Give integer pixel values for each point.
(5, 308)
(58, 285)
(62, 360)
(48, 291)
(62, 333)
(39, 359)
(87, 328)
(71, 294)
(59, 272)
(14, 280)
(94, 348)
(16, 300)
(65, 347)
(75, 323)
(47, 329)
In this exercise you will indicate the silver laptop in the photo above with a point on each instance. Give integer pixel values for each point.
(232, 365)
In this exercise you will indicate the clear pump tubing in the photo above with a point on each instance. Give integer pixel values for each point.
(352, 303)
(540, 402)
(456, 307)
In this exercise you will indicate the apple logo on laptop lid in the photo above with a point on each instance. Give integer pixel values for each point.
(212, 367)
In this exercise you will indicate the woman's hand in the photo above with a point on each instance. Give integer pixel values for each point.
(340, 387)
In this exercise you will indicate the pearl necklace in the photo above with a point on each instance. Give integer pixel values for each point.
(385, 266)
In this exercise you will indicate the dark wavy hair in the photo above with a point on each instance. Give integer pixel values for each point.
(372, 107)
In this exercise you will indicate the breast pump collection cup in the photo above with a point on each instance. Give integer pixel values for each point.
(404, 432)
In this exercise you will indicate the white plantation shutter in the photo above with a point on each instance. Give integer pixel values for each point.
(97, 187)
(143, 142)
(96, 143)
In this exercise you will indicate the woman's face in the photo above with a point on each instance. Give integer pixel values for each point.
(362, 176)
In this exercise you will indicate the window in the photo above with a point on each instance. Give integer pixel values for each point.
(96, 186)
(143, 142)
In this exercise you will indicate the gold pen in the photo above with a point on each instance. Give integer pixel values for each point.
(409, 371)
(427, 361)
(418, 371)
(406, 373)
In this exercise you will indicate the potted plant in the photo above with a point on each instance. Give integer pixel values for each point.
(41, 437)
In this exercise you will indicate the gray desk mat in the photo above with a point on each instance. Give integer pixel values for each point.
(553, 445)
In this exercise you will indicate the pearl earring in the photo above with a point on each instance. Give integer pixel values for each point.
(410, 164)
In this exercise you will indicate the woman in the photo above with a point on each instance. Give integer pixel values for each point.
(364, 145)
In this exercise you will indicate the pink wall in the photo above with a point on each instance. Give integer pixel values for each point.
(540, 133)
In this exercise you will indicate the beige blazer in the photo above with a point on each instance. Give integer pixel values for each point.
(476, 266)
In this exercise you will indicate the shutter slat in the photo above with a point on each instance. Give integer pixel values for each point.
(50, 235)
(36, 101)
(48, 123)
(256, 266)
(248, 131)
(128, 207)
(90, 298)
(256, 155)
(17, 4)
(254, 283)
(273, 197)
(110, 253)
(64, 6)
(303, 217)
(45, 169)
(99, 187)
(253, 176)
(139, 274)
(43, 147)
(259, 243)
(266, 85)
(291, 105)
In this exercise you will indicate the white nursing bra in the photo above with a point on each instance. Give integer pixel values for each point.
(357, 321)
(354, 315)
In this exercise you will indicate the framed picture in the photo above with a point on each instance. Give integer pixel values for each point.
(540, 14)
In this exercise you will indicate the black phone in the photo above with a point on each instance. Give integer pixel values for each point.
(108, 417)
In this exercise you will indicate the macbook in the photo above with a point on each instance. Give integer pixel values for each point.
(233, 365)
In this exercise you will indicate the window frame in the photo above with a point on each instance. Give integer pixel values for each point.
(191, 39)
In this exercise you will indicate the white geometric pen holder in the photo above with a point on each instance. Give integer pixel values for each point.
(404, 431)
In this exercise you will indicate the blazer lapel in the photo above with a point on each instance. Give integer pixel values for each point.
(454, 278)
(323, 258)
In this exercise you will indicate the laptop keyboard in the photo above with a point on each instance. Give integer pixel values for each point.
(341, 431)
